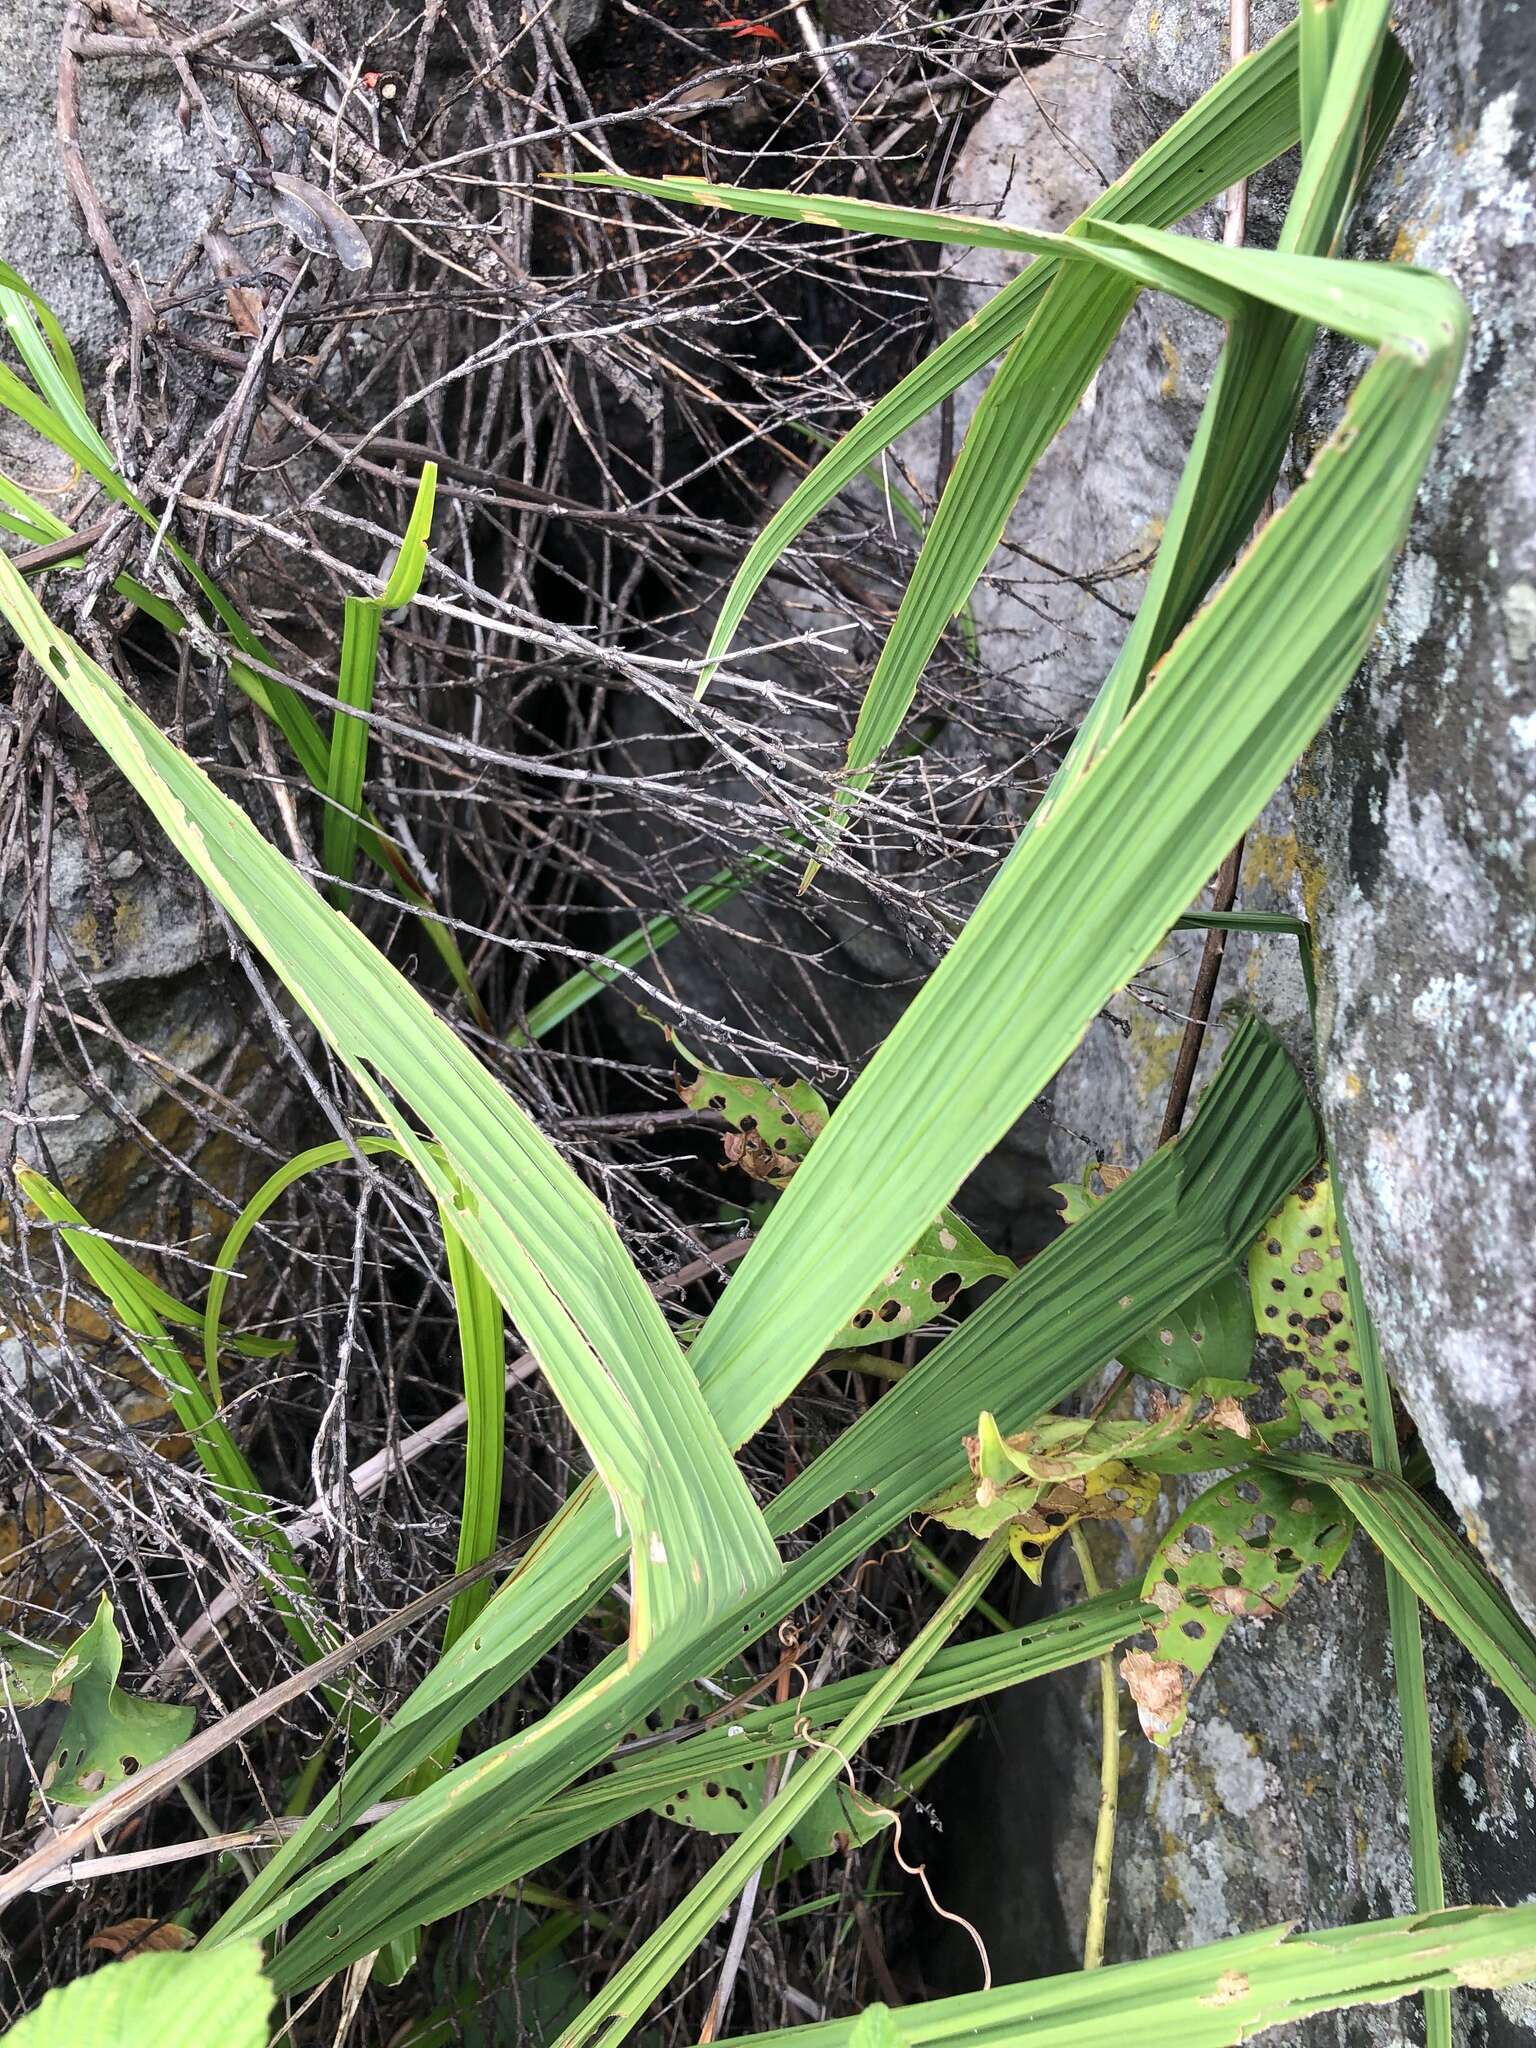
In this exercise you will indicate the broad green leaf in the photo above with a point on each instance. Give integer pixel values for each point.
(1300, 1294)
(1239, 1550)
(1209, 1997)
(1204, 1346)
(107, 1735)
(208, 1998)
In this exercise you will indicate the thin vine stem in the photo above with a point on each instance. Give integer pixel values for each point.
(1109, 1775)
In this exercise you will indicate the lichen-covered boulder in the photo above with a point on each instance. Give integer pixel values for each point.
(1418, 817)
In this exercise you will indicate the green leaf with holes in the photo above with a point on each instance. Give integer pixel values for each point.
(1300, 1295)
(773, 1123)
(947, 1257)
(773, 1126)
(1238, 1550)
(720, 1801)
(107, 1735)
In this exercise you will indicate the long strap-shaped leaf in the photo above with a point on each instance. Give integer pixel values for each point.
(1175, 1225)
(1244, 122)
(1088, 895)
(1443, 1572)
(1208, 1997)
(544, 1242)
(1040, 385)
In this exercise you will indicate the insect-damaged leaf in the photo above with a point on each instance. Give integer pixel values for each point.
(1205, 1345)
(107, 1735)
(1036, 1511)
(947, 1257)
(773, 1123)
(1069, 1446)
(773, 1126)
(723, 1800)
(1239, 1549)
(1301, 1296)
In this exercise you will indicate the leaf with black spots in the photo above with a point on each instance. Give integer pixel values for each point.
(1239, 1550)
(1300, 1294)
(773, 1123)
(947, 1258)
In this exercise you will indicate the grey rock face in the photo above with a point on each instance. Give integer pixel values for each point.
(153, 177)
(1419, 812)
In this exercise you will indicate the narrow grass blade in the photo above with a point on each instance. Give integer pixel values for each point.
(482, 1355)
(636, 947)
(56, 410)
(1246, 120)
(1443, 1571)
(362, 623)
(135, 1301)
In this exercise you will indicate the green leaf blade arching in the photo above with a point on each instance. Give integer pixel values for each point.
(543, 1240)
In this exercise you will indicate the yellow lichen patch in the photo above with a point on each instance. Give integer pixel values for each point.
(1172, 364)
(1405, 243)
(1154, 1048)
(1273, 858)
